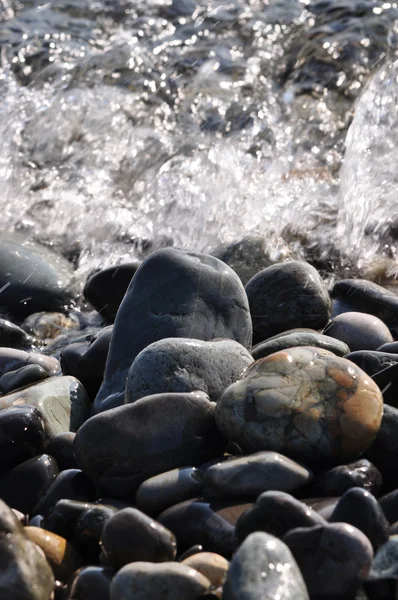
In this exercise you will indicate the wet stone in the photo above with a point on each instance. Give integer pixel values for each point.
(130, 536)
(61, 556)
(162, 491)
(12, 336)
(173, 294)
(211, 565)
(359, 331)
(391, 348)
(338, 480)
(305, 403)
(322, 506)
(249, 476)
(276, 513)
(186, 365)
(372, 361)
(89, 528)
(91, 583)
(22, 435)
(61, 448)
(64, 515)
(23, 377)
(49, 325)
(293, 340)
(389, 504)
(387, 380)
(359, 508)
(167, 581)
(287, 295)
(71, 484)
(12, 359)
(342, 555)
(264, 567)
(112, 447)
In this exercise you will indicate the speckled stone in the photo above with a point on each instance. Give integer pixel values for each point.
(186, 365)
(211, 565)
(61, 556)
(249, 476)
(338, 480)
(49, 325)
(167, 581)
(359, 331)
(264, 567)
(305, 403)
(299, 338)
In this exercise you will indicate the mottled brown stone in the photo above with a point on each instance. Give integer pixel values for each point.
(61, 556)
(304, 402)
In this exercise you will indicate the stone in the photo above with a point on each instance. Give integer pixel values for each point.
(264, 567)
(25, 573)
(390, 348)
(166, 581)
(186, 365)
(322, 506)
(389, 505)
(162, 491)
(173, 294)
(249, 476)
(292, 340)
(22, 435)
(130, 536)
(338, 480)
(91, 583)
(246, 256)
(383, 452)
(21, 486)
(334, 558)
(387, 380)
(12, 359)
(62, 402)
(68, 485)
(20, 378)
(12, 336)
(89, 529)
(372, 362)
(106, 288)
(86, 360)
(287, 295)
(64, 515)
(122, 447)
(213, 566)
(360, 331)
(47, 326)
(305, 403)
(61, 448)
(209, 523)
(55, 347)
(32, 278)
(276, 513)
(359, 508)
(61, 556)
(382, 580)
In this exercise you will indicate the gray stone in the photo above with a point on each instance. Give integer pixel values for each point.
(12, 359)
(360, 331)
(173, 294)
(186, 365)
(291, 340)
(12, 336)
(62, 402)
(122, 447)
(166, 581)
(249, 476)
(264, 567)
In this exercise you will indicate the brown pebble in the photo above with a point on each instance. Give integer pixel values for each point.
(60, 554)
(211, 565)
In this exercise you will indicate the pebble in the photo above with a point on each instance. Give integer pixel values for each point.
(391, 348)
(333, 559)
(130, 536)
(62, 402)
(113, 447)
(12, 336)
(287, 295)
(276, 513)
(323, 506)
(389, 505)
(383, 452)
(12, 359)
(360, 331)
(173, 294)
(167, 581)
(299, 338)
(22, 435)
(22, 377)
(338, 480)
(71, 484)
(264, 567)
(186, 365)
(91, 583)
(61, 556)
(162, 491)
(46, 326)
(246, 257)
(61, 448)
(382, 581)
(249, 476)
(211, 565)
(305, 403)
(89, 529)
(372, 361)
(63, 516)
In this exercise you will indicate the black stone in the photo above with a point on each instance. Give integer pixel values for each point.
(22, 435)
(338, 480)
(382, 580)
(19, 378)
(387, 380)
(71, 484)
(12, 336)
(61, 448)
(290, 340)
(64, 516)
(383, 452)
(389, 504)
(390, 348)
(11, 360)
(105, 289)
(91, 583)
(89, 529)
(372, 361)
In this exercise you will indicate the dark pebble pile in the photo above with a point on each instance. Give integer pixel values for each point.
(187, 437)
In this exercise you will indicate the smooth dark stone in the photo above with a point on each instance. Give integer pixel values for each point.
(22, 435)
(130, 536)
(372, 361)
(391, 348)
(323, 506)
(383, 452)
(113, 502)
(86, 360)
(290, 340)
(276, 513)
(264, 567)
(25, 573)
(387, 380)
(162, 491)
(366, 296)
(32, 278)
(389, 504)
(382, 580)
(174, 294)
(91, 583)
(19, 378)
(12, 336)
(287, 295)
(190, 552)
(71, 484)
(105, 289)
(249, 476)
(208, 523)
(120, 448)
(64, 515)
(20, 488)
(338, 480)
(333, 559)
(360, 508)
(12, 359)
(60, 591)
(246, 257)
(186, 365)
(360, 331)
(89, 529)
(55, 347)
(61, 448)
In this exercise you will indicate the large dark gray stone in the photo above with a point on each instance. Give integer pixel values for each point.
(173, 294)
